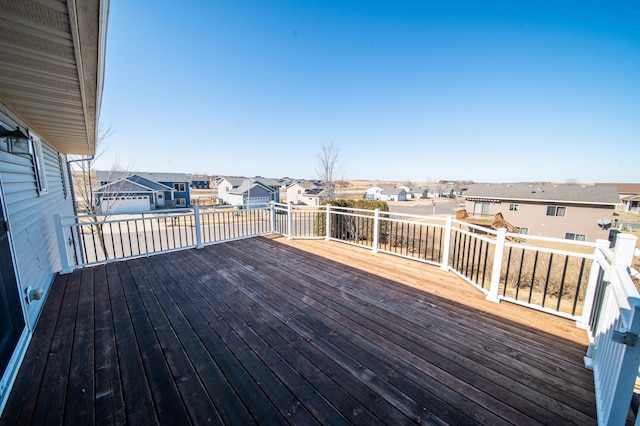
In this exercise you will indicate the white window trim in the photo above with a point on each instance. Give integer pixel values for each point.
(64, 170)
(39, 166)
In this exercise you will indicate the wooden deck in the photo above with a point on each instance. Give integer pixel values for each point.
(271, 331)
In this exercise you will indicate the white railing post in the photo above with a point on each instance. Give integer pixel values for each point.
(328, 223)
(448, 230)
(496, 271)
(624, 249)
(62, 245)
(376, 229)
(196, 214)
(273, 217)
(592, 285)
(290, 221)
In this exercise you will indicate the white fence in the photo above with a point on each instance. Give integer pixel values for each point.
(585, 282)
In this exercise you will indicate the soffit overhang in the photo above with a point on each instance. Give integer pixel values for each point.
(52, 68)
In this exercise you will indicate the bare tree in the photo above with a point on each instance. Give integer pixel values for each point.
(328, 160)
(83, 177)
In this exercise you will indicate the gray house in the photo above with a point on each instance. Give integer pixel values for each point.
(50, 91)
(178, 195)
(238, 191)
(133, 194)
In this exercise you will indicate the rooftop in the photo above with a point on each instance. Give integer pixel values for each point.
(603, 195)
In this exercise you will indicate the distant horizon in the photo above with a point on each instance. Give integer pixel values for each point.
(399, 181)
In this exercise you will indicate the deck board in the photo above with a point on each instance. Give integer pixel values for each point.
(270, 331)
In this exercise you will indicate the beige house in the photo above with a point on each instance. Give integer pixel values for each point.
(573, 212)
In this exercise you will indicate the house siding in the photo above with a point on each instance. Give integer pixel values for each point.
(30, 219)
(186, 194)
(579, 218)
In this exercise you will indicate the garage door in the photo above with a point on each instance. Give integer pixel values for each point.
(126, 204)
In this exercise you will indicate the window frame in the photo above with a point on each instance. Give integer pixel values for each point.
(514, 207)
(556, 210)
(576, 236)
(178, 185)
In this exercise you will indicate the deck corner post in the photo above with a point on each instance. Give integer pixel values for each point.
(196, 214)
(624, 250)
(328, 223)
(376, 230)
(290, 221)
(496, 271)
(66, 267)
(447, 243)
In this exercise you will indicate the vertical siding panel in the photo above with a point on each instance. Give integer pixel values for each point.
(30, 216)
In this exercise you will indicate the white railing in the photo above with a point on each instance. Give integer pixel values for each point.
(92, 239)
(613, 324)
(541, 273)
(582, 281)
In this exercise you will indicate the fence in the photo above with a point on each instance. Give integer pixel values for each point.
(582, 281)
(92, 239)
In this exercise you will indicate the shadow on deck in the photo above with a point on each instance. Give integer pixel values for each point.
(271, 331)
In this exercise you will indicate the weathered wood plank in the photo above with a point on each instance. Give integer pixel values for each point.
(24, 395)
(139, 407)
(109, 403)
(168, 403)
(80, 391)
(175, 303)
(51, 399)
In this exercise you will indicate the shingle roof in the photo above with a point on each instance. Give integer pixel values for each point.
(244, 187)
(391, 190)
(624, 188)
(566, 193)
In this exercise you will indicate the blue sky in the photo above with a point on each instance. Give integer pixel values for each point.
(409, 90)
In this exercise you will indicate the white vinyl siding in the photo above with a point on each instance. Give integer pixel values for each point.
(30, 216)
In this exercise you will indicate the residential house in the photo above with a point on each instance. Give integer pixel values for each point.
(133, 194)
(307, 193)
(385, 193)
(629, 195)
(179, 194)
(255, 191)
(50, 90)
(415, 192)
(202, 182)
(572, 212)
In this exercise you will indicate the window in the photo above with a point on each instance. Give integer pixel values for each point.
(523, 231)
(481, 207)
(575, 237)
(556, 211)
(180, 187)
(181, 202)
(514, 207)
